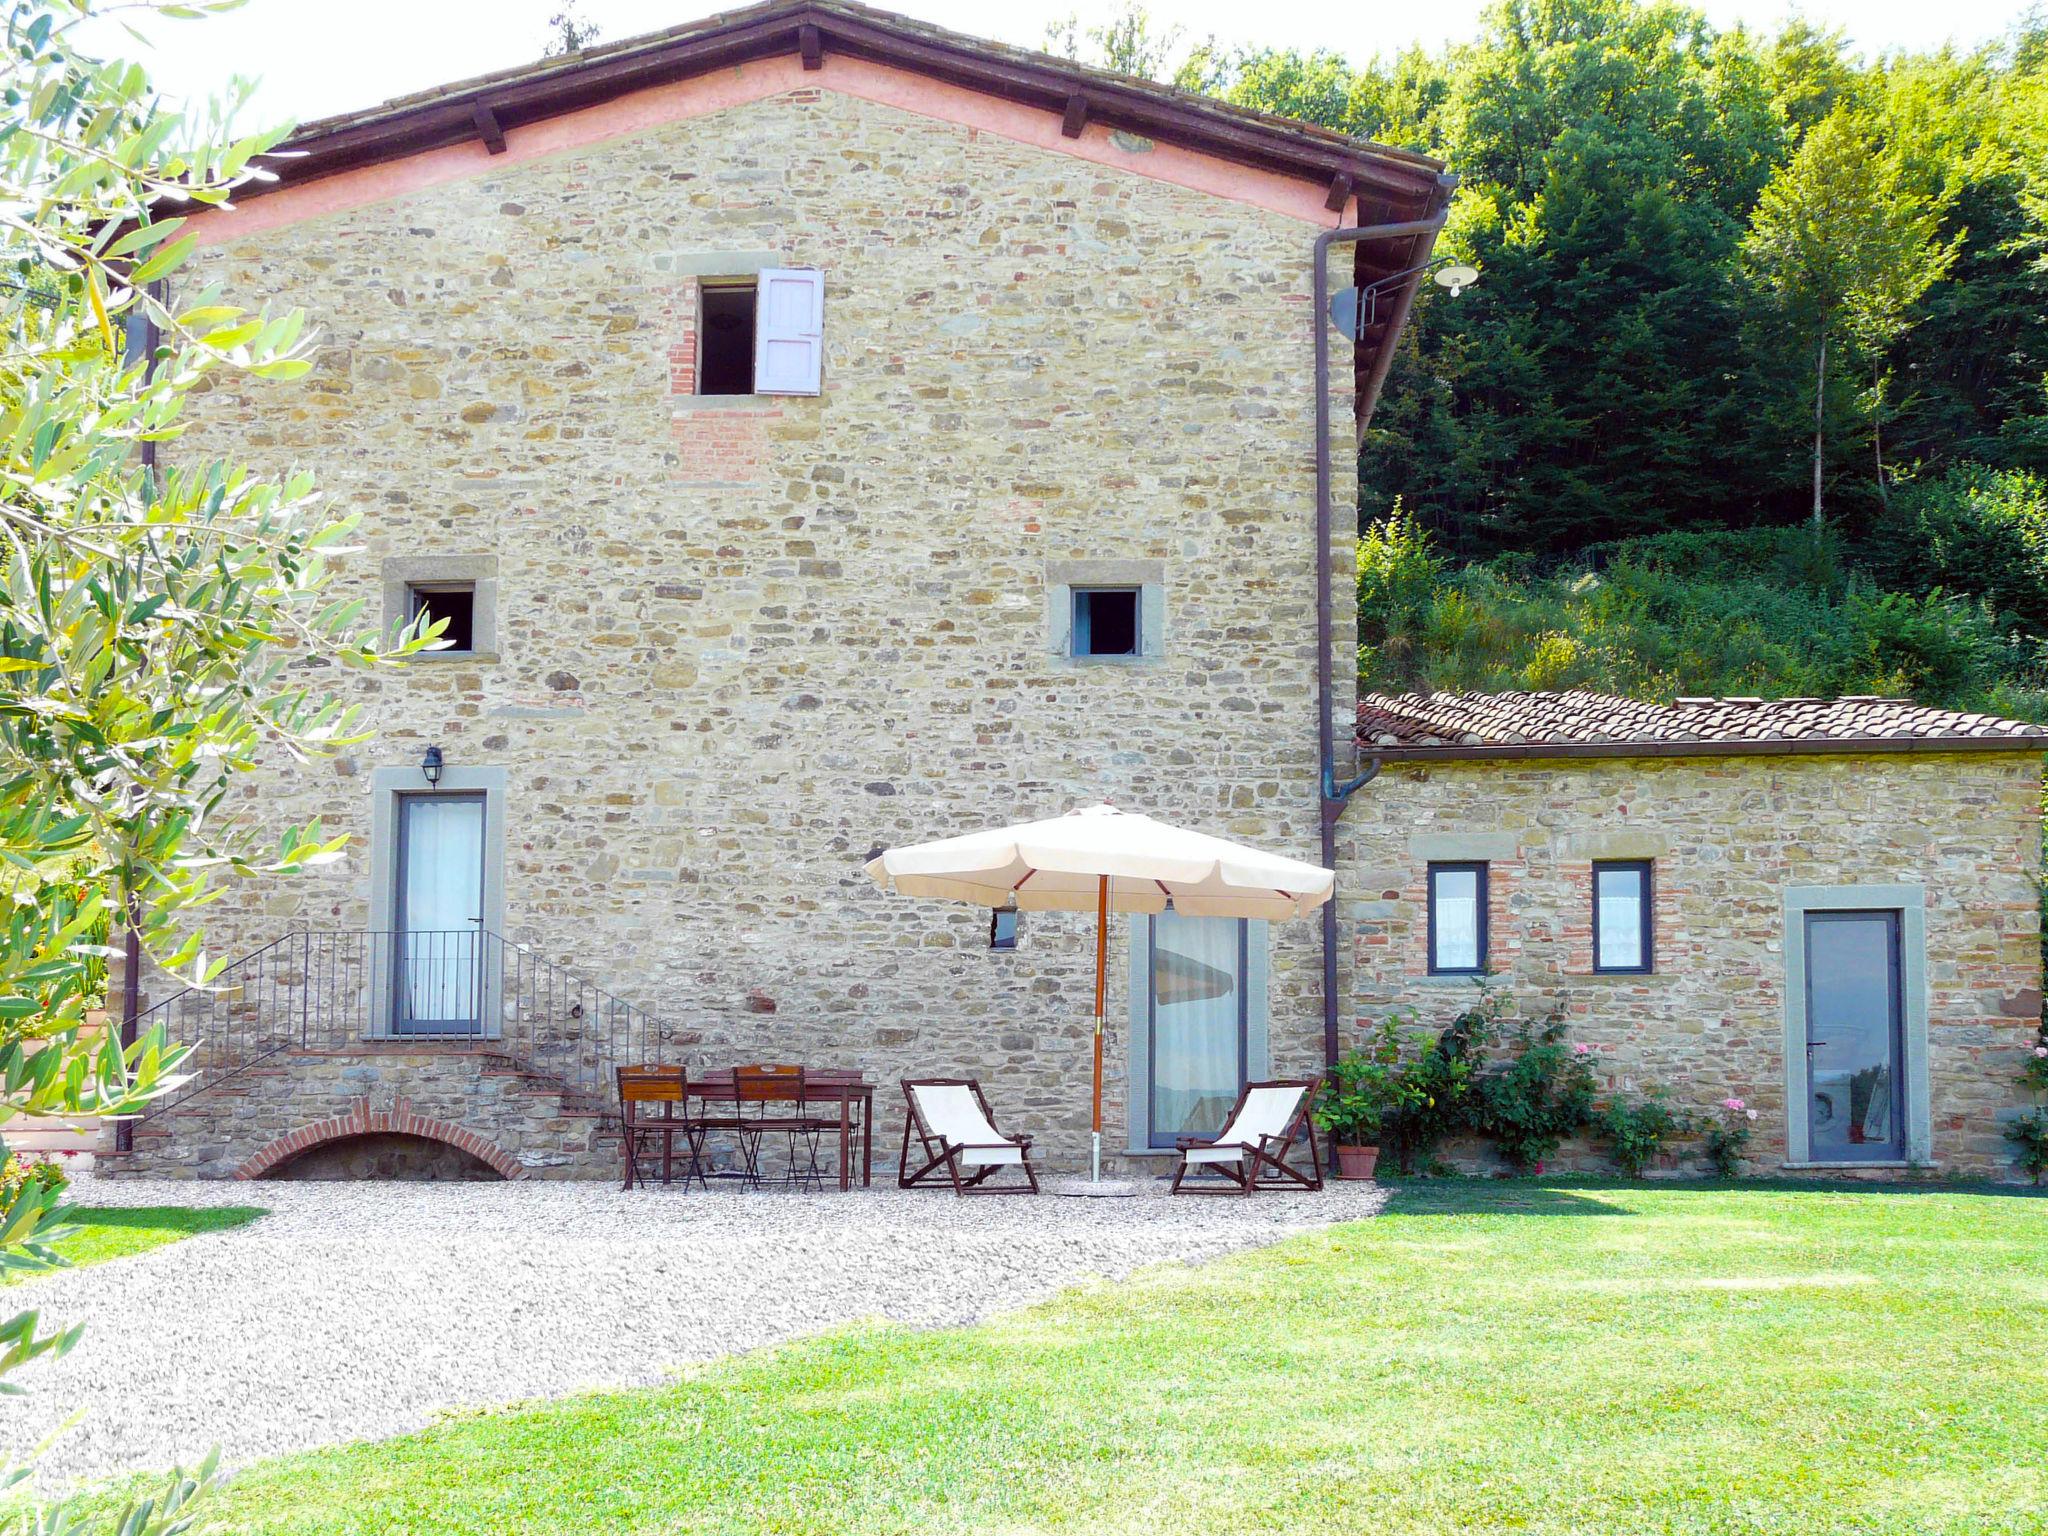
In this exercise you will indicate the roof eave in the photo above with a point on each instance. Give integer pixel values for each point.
(521, 97)
(1842, 746)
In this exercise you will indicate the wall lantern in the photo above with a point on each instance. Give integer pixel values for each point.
(1354, 311)
(430, 766)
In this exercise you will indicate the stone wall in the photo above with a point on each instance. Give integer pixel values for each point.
(1727, 835)
(741, 643)
(262, 1120)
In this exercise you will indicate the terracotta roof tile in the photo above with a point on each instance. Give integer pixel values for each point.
(1497, 724)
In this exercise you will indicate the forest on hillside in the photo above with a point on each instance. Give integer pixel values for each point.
(1752, 396)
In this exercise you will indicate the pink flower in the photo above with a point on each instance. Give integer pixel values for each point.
(1582, 1048)
(2041, 1050)
(1733, 1104)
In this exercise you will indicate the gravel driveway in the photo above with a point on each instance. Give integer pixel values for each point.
(359, 1310)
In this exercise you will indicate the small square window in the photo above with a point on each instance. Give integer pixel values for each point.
(1622, 916)
(725, 338)
(1002, 928)
(1457, 919)
(454, 602)
(1105, 621)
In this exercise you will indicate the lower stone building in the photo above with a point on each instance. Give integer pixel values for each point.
(1829, 909)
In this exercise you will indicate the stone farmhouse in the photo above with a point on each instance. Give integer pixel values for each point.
(820, 431)
(1830, 909)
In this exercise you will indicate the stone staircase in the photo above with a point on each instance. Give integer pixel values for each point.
(291, 1053)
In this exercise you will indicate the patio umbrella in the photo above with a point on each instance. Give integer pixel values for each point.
(1106, 860)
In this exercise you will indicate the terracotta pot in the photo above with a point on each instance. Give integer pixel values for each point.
(1357, 1162)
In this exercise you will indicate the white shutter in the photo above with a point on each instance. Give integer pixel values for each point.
(789, 331)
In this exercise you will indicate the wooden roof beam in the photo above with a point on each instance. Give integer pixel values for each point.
(487, 128)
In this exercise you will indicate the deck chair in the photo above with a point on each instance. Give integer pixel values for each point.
(1267, 1122)
(951, 1119)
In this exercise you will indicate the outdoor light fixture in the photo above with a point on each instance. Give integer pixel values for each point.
(430, 766)
(1354, 311)
(1002, 928)
(1457, 277)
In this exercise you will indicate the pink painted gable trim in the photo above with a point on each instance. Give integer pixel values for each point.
(640, 111)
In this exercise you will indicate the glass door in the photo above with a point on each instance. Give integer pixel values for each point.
(1197, 1018)
(438, 949)
(1854, 1057)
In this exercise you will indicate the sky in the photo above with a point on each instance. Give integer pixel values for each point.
(318, 57)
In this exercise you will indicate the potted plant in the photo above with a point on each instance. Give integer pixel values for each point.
(1349, 1111)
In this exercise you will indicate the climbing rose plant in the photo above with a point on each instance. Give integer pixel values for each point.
(157, 625)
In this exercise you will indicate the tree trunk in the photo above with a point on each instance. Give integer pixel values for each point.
(1884, 497)
(1820, 399)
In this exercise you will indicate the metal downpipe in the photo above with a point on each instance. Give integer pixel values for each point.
(1332, 796)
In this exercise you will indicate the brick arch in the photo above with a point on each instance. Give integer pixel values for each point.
(361, 1120)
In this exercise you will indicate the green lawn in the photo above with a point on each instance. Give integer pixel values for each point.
(1532, 1357)
(115, 1232)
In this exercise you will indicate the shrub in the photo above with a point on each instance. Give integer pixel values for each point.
(1636, 1132)
(18, 1173)
(1767, 611)
(2035, 1073)
(1974, 529)
(1430, 1091)
(1397, 578)
(1354, 1102)
(1728, 1137)
(2030, 1134)
(1530, 1104)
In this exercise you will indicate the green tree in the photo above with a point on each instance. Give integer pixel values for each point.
(1610, 152)
(569, 32)
(1129, 43)
(1848, 247)
(156, 622)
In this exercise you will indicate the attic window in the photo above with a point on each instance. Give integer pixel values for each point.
(761, 335)
(456, 603)
(725, 339)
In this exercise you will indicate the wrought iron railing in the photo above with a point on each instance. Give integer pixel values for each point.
(329, 991)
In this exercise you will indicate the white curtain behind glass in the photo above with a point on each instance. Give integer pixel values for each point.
(442, 907)
(1197, 1005)
(1620, 895)
(1457, 919)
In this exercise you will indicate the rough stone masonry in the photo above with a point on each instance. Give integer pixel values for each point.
(741, 642)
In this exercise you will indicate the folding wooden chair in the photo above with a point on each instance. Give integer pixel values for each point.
(951, 1119)
(640, 1089)
(755, 1089)
(1267, 1122)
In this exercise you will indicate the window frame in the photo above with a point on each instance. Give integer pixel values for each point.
(1002, 936)
(750, 284)
(1134, 591)
(1254, 1060)
(1482, 892)
(1646, 917)
(402, 573)
(1244, 1020)
(416, 595)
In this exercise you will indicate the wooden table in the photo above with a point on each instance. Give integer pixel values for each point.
(821, 1086)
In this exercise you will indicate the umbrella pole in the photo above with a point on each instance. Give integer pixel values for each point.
(1101, 965)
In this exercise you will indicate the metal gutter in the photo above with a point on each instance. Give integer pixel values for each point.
(1421, 237)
